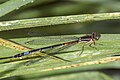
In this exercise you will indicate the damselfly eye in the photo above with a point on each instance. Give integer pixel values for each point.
(98, 36)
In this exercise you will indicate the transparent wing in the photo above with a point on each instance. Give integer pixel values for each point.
(50, 53)
(50, 40)
(30, 62)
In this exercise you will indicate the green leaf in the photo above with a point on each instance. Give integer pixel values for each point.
(12, 5)
(89, 75)
(48, 21)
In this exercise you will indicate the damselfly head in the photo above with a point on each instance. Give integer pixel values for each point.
(96, 36)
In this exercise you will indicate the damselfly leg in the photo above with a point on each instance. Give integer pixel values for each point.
(90, 39)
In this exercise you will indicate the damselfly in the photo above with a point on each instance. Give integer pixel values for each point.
(89, 39)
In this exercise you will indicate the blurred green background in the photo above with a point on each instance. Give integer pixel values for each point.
(50, 8)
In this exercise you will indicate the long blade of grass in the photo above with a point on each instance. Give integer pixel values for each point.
(48, 21)
(11, 5)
